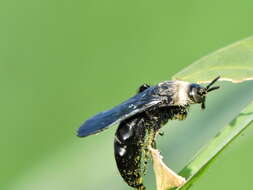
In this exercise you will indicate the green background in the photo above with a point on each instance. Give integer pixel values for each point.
(63, 61)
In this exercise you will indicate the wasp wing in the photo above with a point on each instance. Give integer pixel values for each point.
(136, 104)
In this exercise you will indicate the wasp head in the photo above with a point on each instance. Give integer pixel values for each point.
(197, 93)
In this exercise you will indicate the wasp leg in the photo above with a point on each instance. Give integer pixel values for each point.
(143, 87)
(180, 113)
(145, 160)
(150, 141)
(161, 133)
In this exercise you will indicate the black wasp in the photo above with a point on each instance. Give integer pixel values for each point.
(140, 119)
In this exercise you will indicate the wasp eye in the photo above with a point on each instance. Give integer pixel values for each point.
(196, 93)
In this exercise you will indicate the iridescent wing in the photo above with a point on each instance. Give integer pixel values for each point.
(138, 103)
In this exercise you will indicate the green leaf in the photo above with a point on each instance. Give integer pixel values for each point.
(233, 63)
(208, 152)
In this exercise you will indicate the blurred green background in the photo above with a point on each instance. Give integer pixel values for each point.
(63, 61)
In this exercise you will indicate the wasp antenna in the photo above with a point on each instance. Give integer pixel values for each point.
(213, 88)
(211, 83)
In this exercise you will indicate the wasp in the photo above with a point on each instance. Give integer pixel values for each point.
(140, 118)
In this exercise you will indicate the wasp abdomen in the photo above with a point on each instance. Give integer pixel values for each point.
(128, 149)
(133, 137)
